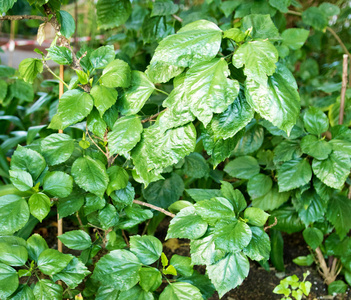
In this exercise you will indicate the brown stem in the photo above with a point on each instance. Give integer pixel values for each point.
(89, 136)
(343, 89)
(179, 19)
(329, 275)
(125, 238)
(339, 41)
(167, 213)
(295, 13)
(24, 17)
(272, 225)
(153, 116)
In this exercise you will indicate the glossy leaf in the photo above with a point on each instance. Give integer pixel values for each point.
(51, 261)
(243, 167)
(58, 184)
(35, 246)
(164, 8)
(315, 121)
(45, 288)
(294, 38)
(262, 26)
(57, 148)
(116, 74)
(259, 185)
(76, 239)
(259, 247)
(147, 248)
(29, 68)
(273, 199)
(136, 293)
(13, 255)
(255, 216)
(112, 13)
(180, 290)
(313, 237)
(339, 209)
(21, 179)
(103, 97)
(68, 25)
(118, 179)
(150, 279)
(8, 281)
(316, 148)
(60, 55)
(102, 56)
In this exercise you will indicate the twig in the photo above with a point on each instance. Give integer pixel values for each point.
(272, 225)
(153, 116)
(125, 238)
(295, 13)
(179, 19)
(155, 208)
(162, 92)
(80, 221)
(329, 275)
(24, 17)
(52, 72)
(343, 89)
(339, 41)
(88, 134)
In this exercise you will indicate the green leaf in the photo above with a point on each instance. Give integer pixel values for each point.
(243, 167)
(337, 287)
(51, 261)
(180, 290)
(74, 106)
(69, 205)
(45, 289)
(262, 26)
(96, 124)
(338, 212)
(93, 203)
(112, 13)
(73, 274)
(22, 293)
(5, 5)
(214, 210)
(28, 160)
(13, 255)
(259, 185)
(102, 56)
(119, 268)
(229, 272)
(164, 8)
(315, 121)
(115, 241)
(8, 281)
(259, 247)
(294, 38)
(277, 246)
(103, 97)
(208, 90)
(68, 26)
(334, 170)
(273, 199)
(14, 214)
(187, 224)
(232, 235)
(233, 119)
(287, 150)
(135, 216)
(315, 17)
(150, 279)
(163, 193)
(29, 68)
(126, 133)
(136, 293)
(76, 239)
(57, 148)
(203, 251)
(108, 217)
(234, 33)
(181, 50)
(118, 179)
(288, 220)
(21, 180)
(60, 55)
(90, 175)
(293, 174)
(134, 98)
(319, 149)
(313, 237)
(147, 248)
(304, 261)
(310, 207)
(182, 264)
(39, 205)
(58, 184)
(255, 216)
(195, 166)
(235, 197)
(281, 5)
(3, 90)
(203, 194)
(329, 9)
(36, 245)
(116, 74)
(124, 196)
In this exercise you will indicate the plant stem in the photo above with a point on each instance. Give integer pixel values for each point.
(24, 17)
(295, 13)
(153, 116)
(52, 72)
(343, 89)
(167, 213)
(160, 91)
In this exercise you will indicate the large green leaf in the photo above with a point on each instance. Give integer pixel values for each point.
(125, 135)
(57, 148)
(195, 166)
(71, 204)
(119, 268)
(96, 124)
(74, 106)
(135, 293)
(315, 121)
(124, 196)
(259, 247)
(68, 26)
(262, 26)
(273, 199)
(76, 239)
(108, 216)
(8, 281)
(90, 175)
(164, 8)
(14, 214)
(334, 170)
(118, 179)
(13, 255)
(116, 74)
(21, 180)
(36, 245)
(51, 261)
(319, 149)
(102, 56)
(315, 17)
(29, 68)
(243, 167)
(313, 237)
(208, 90)
(112, 13)
(338, 213)
(281, 5)
(58, 184)
(293, 174)
(134, 98)
(147, 248)
(39, 205)
(259, 185)
(163, 193)
(103, 97)
(45, 289)
(196, 42)
(180, 291)
(294, 38)
(23, 292)
(229, 272)
(60, 55)
(5, 5)
(150, 279)
(187, 224)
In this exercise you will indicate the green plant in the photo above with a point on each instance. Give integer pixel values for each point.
(292, 288)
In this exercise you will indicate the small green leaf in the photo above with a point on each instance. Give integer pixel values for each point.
(60, 55)
(35, 246)
(57, 148)
(294, 38)
(259, 185)
(103, 97)
(21, 180)
(116, 74)
(259, 247)
(315, 121)
(243, 167)
(102, 56)
(68, 25)
(315, 17)
(182, 264)
(180, 290)
(39, 205)
(118, 179)
(8, 281)
(304, 260)
(313, 237)
(235, 197)
(76, 239)
(150, 279)
(170, 270)
(316, 148)
(255, 216)
(51, 261)
(29, 68)
(147, 248)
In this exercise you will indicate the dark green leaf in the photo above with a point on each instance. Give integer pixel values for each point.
(57, 148)
(103, 97)
(337, 287)
(112, 13)
(136, 293)
(76, 239)
(124, 196)
(147, 248)
(313, 237)
(338, 213)
(259, 185)
(36, 245)
(277, 246)
(259, 247)
(195, 166)
(287, 220)
(164, 8)
(315, 17)
(68, 26)
(315, 121)
(69, 205)
(51, 261)
(262, 26)
(243, 167)
(108, 217)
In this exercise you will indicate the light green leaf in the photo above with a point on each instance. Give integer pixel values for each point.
(229, 272)
(164, 8)
(45, 289)
(259, 247)
(315, 121)
(134, 98)
(21, 180)
(23, 292)
(90, 175)
(36, 245)
(294, 38)
(180, 291)
(60, 55)
(182, 50)
(315, 17)
(96, 124)
(119, 268)
(57, 148)
(124, 135)
(13, 255)
(329, 9)
(58, 184)
(118, 179)
(272, 200)
(74, 106)
(255, 216)
(234, 33)
(243, 167)
(338, 212)
(259, 185)
(147, 248)
(150, 279)
(187, 224)
(235, 197)
(14, 214)
(8, 280)
(29, 68)
(136, 293)
(103, 97)
(5, 5)
(112, 13)
(116, 74)
(334, 170)
(182, 264)
(319, 149)
(68, 25)
(102, 56)
(262, 26)
(51, 261)
(76, 239)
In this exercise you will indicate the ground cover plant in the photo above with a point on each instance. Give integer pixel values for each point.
(215, 115)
